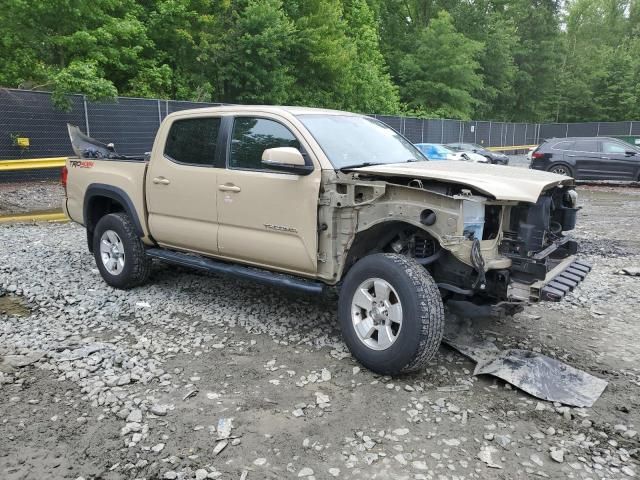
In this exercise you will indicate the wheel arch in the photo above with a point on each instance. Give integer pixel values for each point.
(377, 236)
(100, 200)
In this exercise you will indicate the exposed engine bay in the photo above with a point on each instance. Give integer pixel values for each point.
(531, 236)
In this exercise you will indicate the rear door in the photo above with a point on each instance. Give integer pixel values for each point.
(181, 185)
(267, 218)
(615, 163)
(582, 155)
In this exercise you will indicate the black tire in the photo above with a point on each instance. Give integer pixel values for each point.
(137, 266)
(422, 328)
(564, 166)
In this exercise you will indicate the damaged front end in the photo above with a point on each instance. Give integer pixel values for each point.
(500, 251)
(543, 263)
(539, 257)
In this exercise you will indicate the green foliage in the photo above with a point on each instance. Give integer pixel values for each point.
(521, 60)
(81, 77)
(441, 76)
(254, 64)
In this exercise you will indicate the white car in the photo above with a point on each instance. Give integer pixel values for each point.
(472, 157)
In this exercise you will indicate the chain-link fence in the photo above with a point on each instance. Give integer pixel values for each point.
(488, 134)
(31, 127)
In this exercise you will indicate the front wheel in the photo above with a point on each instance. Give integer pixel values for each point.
(391, 314)
(119, 252)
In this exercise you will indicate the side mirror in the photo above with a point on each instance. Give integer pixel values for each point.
(286, 159)
(630, 153)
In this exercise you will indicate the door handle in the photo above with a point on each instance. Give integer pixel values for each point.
(571, 156)
(161, 181)
(228, 188)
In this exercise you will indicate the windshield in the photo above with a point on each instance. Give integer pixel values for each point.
(349, 141)
(442, 150)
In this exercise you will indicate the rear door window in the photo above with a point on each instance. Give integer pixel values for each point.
(590, 146)
(193, 141)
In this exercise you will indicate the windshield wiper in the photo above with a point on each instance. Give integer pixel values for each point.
(358, 165)
(369, 164)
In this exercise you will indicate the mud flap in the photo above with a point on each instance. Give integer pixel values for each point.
(538, 375)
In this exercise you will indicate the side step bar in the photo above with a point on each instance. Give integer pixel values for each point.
(565, 281)
(239, 271)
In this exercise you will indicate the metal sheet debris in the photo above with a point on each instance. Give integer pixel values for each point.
(535, 373)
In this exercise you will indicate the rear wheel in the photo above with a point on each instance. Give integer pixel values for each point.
(561, 169)
(391, 314)
(119, 252)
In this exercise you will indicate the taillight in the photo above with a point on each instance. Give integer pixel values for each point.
(537, 155)
(64, 173)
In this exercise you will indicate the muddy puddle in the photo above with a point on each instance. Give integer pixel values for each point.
(13, 306)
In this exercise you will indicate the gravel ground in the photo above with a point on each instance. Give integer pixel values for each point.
(29, 197)
(202, 376)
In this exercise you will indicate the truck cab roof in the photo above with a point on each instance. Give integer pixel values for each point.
(291, 110)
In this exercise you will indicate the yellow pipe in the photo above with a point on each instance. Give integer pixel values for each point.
(34, 217)
(506, 149)
(32, 164)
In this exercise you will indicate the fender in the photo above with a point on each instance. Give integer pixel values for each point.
(114, 193)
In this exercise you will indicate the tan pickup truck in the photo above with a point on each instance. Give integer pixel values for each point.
(308, 199)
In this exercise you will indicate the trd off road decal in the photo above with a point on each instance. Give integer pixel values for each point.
(82, 163)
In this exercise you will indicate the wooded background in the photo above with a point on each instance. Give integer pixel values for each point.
(506, 60)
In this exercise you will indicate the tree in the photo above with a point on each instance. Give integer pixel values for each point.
(92, 48)
(616, 90)
(537, 56)
(255, 67)
(523, 60)
(597, 79)
(186, 36)
(371, 89)
(441, 77)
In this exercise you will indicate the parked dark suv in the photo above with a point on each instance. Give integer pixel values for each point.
(588, 158)
(493, 157)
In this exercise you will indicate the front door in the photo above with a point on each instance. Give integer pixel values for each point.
(617, 164)
(181, 186)
(265, 217)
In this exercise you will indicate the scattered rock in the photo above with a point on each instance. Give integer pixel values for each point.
(628, 472)
(157, 448)
(135, 416)
(159, 410)
(488, 454)
(536, 459)
(557, 455)
(632, 271)
(219, 447)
